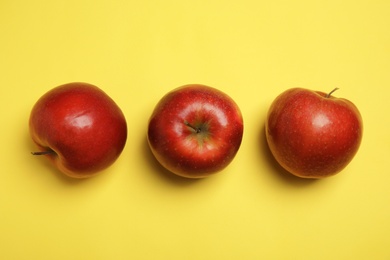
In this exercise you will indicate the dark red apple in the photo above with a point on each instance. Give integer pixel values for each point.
(195, 131)
(313, 134)
(79, 128)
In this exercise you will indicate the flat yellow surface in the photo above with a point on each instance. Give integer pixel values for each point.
(136, 51)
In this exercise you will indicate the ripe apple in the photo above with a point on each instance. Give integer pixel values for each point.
(195, 131)
(312, 134)
(79, 128)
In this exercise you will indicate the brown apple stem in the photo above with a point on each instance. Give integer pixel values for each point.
(330, 93)
(196, 129)
(43, 153)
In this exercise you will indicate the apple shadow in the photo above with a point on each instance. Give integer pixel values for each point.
(280, 173)
(159, 171)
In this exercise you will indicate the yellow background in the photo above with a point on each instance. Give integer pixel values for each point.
(136, 51)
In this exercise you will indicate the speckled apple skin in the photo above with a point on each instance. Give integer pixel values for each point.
(311, 134)
(183, 150)
(82, 125)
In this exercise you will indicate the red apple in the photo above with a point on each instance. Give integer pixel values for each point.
(79, 128)
(195, 131)
(312, 134)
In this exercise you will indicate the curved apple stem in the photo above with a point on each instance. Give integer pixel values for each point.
(43, 153)
(330, 93)
(196, 129)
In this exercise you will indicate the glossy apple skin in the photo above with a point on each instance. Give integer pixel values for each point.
(179, 147)
(312, 135)
(82, 125)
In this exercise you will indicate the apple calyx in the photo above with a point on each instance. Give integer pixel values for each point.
(330, 93)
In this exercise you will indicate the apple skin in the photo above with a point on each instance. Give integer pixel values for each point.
(312, 134)
(195, 131)
(79, 128)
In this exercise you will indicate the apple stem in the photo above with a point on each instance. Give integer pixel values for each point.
(42, 153)
(330, 93)
(196, 129)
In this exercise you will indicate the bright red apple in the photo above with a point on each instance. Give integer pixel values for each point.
(79, 128)
(195, 131)
(313, 134)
